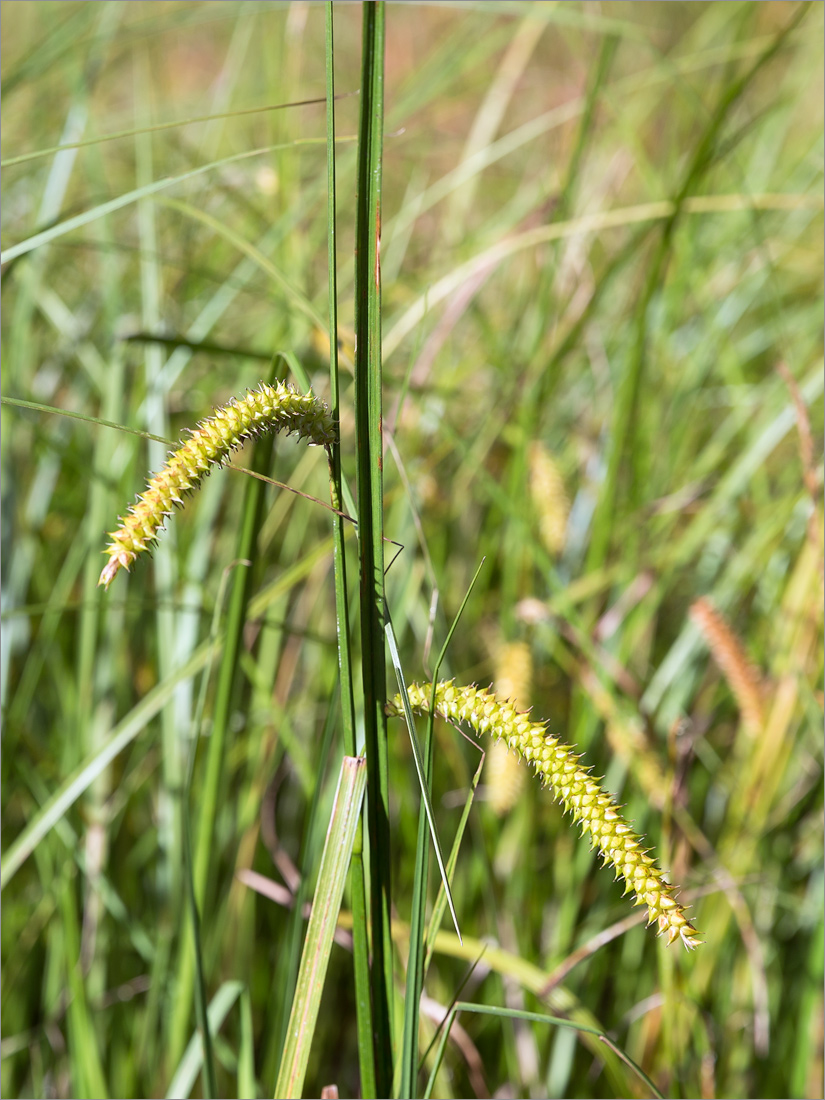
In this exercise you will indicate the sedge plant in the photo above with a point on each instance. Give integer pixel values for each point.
(282, 408)
(597, 324)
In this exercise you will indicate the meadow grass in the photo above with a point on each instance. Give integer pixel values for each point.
(594, 365)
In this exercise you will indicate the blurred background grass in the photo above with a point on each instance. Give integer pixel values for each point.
(602, 271)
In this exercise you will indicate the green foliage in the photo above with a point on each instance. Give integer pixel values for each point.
(601, 249)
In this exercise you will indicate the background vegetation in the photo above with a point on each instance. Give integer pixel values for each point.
(602, 314)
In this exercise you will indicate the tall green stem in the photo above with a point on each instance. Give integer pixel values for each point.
(360, 945)
(368, 419)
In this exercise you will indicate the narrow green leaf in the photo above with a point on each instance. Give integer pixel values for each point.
(322, 924)
(441, 898)
(421, 767)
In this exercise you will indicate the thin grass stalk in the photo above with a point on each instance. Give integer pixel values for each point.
(360, 944)
(533, 1017)
(368, 420)
(415, 959)
(341, 606)
(441, 898)
(418, 919)
(251, 519)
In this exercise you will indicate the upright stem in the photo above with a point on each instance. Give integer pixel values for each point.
(368, 420)
(363, 1005)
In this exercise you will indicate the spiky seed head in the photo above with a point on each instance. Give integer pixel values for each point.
(276, 407)
(578, 791)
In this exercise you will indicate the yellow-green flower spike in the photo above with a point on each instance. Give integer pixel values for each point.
(572, 785)
(269, 408)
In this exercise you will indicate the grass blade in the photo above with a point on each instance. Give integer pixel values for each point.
(441, 899)
(322, 924)
(291, 949)
(423, 766)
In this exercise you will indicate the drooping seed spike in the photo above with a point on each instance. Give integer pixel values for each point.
(276, 407)
(579, 792)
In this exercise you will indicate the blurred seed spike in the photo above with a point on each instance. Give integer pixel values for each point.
(269, 408)
(578, 792)
(504, 775)
(549, 497)
(729, 654)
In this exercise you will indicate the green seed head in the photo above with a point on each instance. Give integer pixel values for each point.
(573, 786)
(269, 408)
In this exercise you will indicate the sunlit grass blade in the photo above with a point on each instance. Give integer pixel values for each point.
(321, 928)
(291, 949)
